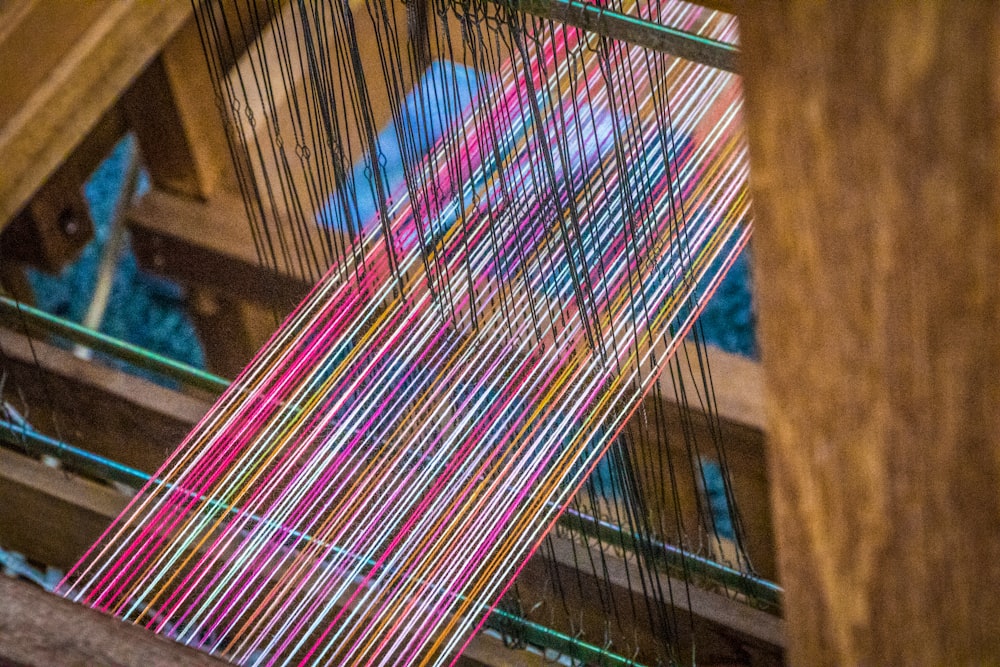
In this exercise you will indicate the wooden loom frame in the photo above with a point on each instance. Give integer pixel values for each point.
(791, 55)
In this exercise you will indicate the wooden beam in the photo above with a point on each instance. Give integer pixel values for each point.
(724, 629)
(174, 111)
(38, 628)
(169, 238)
(876, 180)
(109, 50)
(35, 35)
(69, 513)
(116, 415)
(48, 515)
(139, 418)
(178, 127)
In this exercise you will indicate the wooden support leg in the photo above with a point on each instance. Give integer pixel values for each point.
(875, 150)
(230, 330)
(37, 628)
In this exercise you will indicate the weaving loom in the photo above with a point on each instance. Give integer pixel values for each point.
(551, 229)
(398, 445)
(510, 220)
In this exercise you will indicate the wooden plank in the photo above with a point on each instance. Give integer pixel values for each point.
(875, 146)
(178, 129)
(78, 91)
(151, 406)
(558, 588)
(38, 628)
(169, 238)
(119, 416)
(670, 447)
(48, 515)
(133, 421)
(723, 628)
(35, 36)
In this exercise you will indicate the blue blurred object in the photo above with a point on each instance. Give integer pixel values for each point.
(145, 310)
(434, 104)
(728, 320)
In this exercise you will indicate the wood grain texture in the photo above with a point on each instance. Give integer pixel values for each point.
(38, 628)
(77, 91)
(49, 515)
(125, 418)
(875, 147)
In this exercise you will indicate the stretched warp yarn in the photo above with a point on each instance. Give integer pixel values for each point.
(373, 481)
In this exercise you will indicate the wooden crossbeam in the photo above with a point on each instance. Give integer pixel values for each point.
(73, 88)
(119, 416)
(38, 628)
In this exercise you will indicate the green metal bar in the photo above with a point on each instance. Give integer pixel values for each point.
(631, 29)
(17, 315)
(37, 444)
(671, 558)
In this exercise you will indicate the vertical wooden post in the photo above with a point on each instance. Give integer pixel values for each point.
(875, 147)
(171, 108)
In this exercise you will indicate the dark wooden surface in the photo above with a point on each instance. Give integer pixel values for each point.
(38, 629)
(49, 515)
(122, 417)
(875, 145)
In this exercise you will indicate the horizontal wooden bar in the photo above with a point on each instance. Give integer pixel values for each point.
(169, 238)
(38, 628)
(48, 515)
(123, 417)
(69, 512)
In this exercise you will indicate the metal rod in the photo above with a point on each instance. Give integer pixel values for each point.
(114, 244)
(18, 315)
(672, 558)
(631, 29)
(38, 444)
